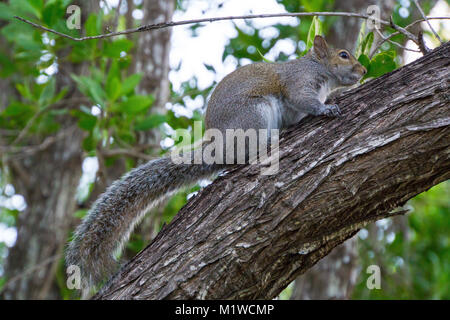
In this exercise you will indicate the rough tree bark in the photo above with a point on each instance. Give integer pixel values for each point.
(248, 236)
(333, 277)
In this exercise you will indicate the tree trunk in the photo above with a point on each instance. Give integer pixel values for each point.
(48, 179)
(152, 54)
(248, 235)
(333, 277)
(344, 32)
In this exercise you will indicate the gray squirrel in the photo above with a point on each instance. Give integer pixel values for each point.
(256, 96)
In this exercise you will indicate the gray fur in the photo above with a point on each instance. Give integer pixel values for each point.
(113, 216)
(277, 95)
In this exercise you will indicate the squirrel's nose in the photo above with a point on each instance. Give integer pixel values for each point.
(360, 69)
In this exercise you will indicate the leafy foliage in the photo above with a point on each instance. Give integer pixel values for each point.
(314, 30)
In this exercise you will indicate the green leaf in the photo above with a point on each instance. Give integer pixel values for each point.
(24, 90)
(113, 86)
(381, 64)
(60, 94)
(80, 213)
(360, 39)
(52, 12)
(87, 123)
(114, 71)
(136, 245)
(24, 37)
(48, 93)
(89, 143)
(81, 52)
(113, 89)
(364, 60)
(367, 44)
(130, 83)
(38, 5)
(92, 26)
(9, 216)
(7, 67)
(16, 108)
(314, 6)
(86, 120)
(113, 49)
(151, 122)
(209, 67)
(314, 30)
(135, 104)
(90, 88)
(29, 6)
(5, 12)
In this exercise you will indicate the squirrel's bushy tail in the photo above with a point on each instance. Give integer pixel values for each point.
(114, 215)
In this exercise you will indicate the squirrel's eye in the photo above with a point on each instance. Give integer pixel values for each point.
(343, 55)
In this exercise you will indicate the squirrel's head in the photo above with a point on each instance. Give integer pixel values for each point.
(340, 62)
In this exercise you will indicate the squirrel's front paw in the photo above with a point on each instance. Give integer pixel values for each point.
(331, 110)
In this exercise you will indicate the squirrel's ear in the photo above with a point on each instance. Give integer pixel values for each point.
(320, 47)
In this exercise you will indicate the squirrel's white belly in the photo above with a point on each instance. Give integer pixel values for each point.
(280, 114)
(273, 111)
(324, 91)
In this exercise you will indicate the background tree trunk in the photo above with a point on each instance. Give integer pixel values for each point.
(345, 31)
(248, 236)
(48, 179)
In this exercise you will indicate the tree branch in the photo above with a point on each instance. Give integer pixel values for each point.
(250, 16)
(248, 236)
(184, 22)
(416, 2)
(15, 152)
(126, 152)
(384, 39)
